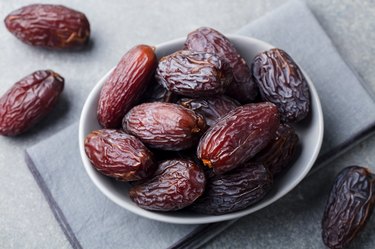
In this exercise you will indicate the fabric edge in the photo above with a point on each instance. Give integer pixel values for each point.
(57, 212)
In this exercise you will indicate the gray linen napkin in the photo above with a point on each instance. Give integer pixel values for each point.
(90, 220)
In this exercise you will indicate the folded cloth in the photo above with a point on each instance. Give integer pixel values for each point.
(90, 220)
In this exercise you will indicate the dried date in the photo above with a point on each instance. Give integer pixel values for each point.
(194, 74)
(175, 185)
(28, 101)
(119, 155)
(125, 85)
(164, 125)
(211, 108)
(235, 190)
(238, 136)
(349, 206)
(281, 82)
(47, 25)
(280, 152)
(242, 87)
(158, 93)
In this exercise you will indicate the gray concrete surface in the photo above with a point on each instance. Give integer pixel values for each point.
(25, 218)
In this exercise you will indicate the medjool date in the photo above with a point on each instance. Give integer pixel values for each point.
(125, 85)
(164, 125)
(194, 74)
(28, 101)
(281, 82)
(242, 87)
(350, 205)
(238, 136)
(48, 25)
(235, 190)
(175, 185)
(119, 155)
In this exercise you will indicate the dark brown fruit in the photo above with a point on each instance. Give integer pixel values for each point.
(280, 152)
(349, 206)
(158, 93)
(281, 82)
(28, 101)
(164, 125)
(47, 25)
(238, 136)
(194, 74)
(119, 155)
(125, 85)
(175, 185)
(209, 40)
(235, 190)
(210, 108)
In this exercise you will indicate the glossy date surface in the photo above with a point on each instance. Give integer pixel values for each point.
(48, 25)
(238, 136)
(350, 204)
(242, 87)
(175, 185)
(125, 85)
(164, 126)
(235, 190)
(281, 82)
(28, 101)
(194, 74)
(119, 155)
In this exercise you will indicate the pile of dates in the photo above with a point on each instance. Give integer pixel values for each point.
(199, 128)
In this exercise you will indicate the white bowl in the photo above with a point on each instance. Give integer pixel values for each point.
(310, 133)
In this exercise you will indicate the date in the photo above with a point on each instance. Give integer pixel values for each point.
(242, 87)
(48, 25)
(176, 184)
(280, 152)
(194, 74)
(238, 136)
(28, 101)
(235, 190)
(164, 126)
(349, 206)
(211, 108)
(281, 82)
(158, 93)
(125, 85)
(119, 155)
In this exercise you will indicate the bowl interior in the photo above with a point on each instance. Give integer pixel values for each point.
(310, 132)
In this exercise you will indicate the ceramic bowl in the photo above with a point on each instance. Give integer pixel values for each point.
(310, 132)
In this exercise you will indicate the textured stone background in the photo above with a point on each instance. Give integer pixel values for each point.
(25, 218)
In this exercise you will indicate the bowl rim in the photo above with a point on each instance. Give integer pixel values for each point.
(160, 216)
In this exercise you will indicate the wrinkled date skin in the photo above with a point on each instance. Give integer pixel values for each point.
(194, 74)
(51, 26)
(119, 155)
(281, 82)
(164, 125)
(211, 108)
(349, 206)
(242, 88)
(125, 85)
(175, 185)
(28, 101)
(235, 190)
(280, 152)
(238, 136)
